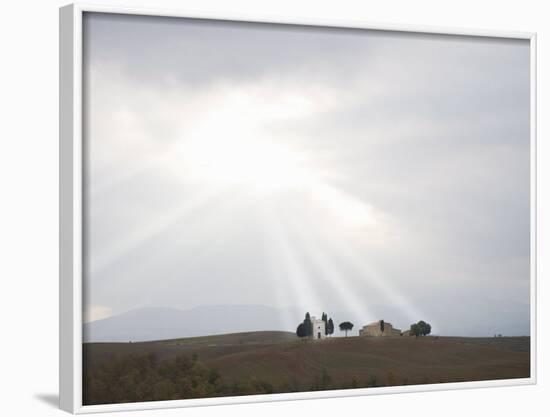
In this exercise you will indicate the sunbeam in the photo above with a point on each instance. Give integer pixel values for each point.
(327, 271)
(294, 282)
(344, 250)
(102, 257)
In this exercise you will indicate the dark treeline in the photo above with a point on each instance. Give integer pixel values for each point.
(134, 378)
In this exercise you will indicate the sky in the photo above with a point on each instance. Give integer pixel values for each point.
(380, 174)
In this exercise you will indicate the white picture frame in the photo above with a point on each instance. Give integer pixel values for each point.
(71, 208)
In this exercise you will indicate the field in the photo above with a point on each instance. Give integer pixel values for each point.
(267, 362)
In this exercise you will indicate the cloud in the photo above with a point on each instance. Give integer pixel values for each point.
(398, 167)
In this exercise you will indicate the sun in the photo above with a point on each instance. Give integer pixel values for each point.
(234, 142)
(255, 163)
(233, 145)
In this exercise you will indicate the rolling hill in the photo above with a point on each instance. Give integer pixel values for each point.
(283, 363)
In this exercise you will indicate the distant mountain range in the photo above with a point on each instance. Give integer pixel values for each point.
(155, 323)
(158, 323)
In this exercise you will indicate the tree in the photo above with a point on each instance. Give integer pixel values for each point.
(325, 318)
(308, 325)
(301, 331)
(382, 326)
(425, 328)
(346, 326)
(421, 329)
(330, 327)
(415, 330)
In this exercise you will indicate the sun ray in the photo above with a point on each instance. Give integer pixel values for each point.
(359, 262)
(329, 273)
(284, 265)
(103, 257)
(160, 161)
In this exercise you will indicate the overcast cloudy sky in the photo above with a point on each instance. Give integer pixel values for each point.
(381, 174)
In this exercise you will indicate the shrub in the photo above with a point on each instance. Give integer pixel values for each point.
(373, 381)
(144, 378)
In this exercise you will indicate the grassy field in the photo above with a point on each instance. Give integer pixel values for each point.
(264, 362)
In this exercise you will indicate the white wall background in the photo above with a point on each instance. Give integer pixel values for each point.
(29, 193)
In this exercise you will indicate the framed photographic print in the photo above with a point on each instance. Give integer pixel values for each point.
(256, 209)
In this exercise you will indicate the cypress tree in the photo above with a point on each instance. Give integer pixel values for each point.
(301, 331)
(330, 326)
(308, 325)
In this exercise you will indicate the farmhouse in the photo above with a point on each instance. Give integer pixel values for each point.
(379, 328)
(318, 327)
